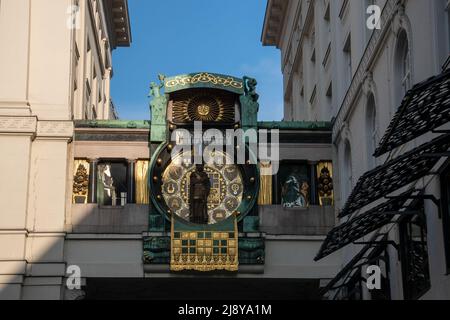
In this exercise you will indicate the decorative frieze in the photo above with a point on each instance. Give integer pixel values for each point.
(56, 129)
(13, 124)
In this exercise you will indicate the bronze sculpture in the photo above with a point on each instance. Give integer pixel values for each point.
(199, 188)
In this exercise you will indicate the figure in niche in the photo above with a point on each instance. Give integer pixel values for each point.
(304, 194)
(109, 189)
(199, 188)
(325, 187)
(81, 185)
(295, 191)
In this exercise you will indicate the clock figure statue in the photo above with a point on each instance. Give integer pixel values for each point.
(199, 188)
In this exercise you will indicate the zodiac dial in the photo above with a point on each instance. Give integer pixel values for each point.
(226, 187)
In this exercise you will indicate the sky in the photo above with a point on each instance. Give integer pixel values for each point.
(186, 36)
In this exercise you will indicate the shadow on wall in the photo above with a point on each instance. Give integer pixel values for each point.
(43, 276)
(109, 239)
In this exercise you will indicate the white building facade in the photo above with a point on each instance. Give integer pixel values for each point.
(337, 69)
(55, 67)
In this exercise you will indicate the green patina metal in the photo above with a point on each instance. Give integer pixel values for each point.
(157, 218)
(251, 224)
(158, 107)
(156, 222)
(146, 124)
(249, 105)
(251, 251)
(204, 80)
(113, 124)
(156, 250)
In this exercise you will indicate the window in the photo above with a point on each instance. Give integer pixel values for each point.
(87, 101)
(402, 67)
(343, 10)
(448, 22)
(347, 172)
(445, 194)
(414, 255)
(371, 120)
(327, 12)
(112, 183)
(348, 61)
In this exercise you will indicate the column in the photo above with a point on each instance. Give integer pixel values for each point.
(313, 187)
(93, 164)
(131, 188)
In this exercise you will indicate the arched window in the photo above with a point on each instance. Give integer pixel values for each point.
(402, 67)
(447, 8)
(347, 172)
(371, 131)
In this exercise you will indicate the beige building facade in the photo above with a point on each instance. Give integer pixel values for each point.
(343, 84)
(336, 68)
(55, 67)
(61, 138)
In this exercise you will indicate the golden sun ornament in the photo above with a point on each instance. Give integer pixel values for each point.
(203, 110)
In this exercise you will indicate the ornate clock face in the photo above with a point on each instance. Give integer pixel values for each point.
(226, 188)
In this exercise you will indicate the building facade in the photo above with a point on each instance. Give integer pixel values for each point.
(55, 67)
(84, 212)
(336, 68)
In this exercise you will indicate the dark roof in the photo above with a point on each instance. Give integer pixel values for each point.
(396, 174)
(362, 225)
(425, 107)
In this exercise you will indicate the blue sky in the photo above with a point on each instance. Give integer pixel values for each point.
(184, 36)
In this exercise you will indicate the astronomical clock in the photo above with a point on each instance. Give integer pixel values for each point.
(202, 212)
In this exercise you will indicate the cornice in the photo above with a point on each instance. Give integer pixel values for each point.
(273, 22)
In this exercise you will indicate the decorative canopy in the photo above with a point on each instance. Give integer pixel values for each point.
(396, 174)
(362, 225)
(425, 107)
(366, 256)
